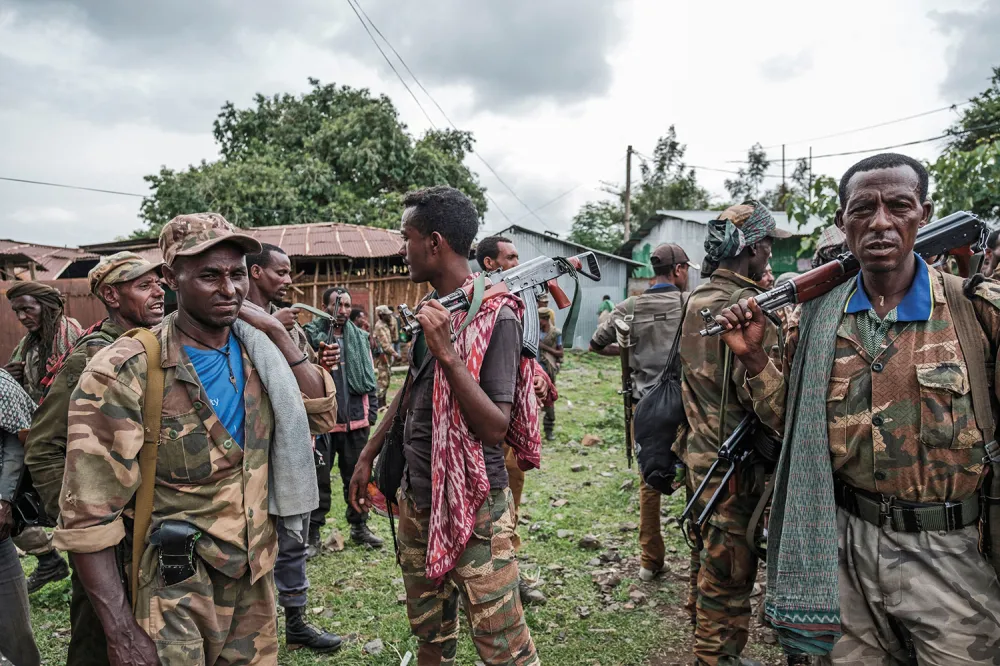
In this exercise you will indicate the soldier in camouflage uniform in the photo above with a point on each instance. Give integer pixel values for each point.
(212, 466)
(129, 287)
(479, 416)
(902, 433)
(270, 278)
(386, 352)
(738, 249)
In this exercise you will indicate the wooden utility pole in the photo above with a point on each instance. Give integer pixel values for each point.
(783, 189)
(628, 192)
(810, 174)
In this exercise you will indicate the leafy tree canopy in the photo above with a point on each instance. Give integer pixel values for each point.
(967, 174)
(331, 154)
(666, 183)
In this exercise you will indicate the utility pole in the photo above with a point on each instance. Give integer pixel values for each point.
(810, 174)
(783, 189)
(628, 192)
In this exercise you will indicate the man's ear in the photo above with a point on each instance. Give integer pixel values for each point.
(256, 271)
(170, 277)
(437, 241)
(110, 296)
(838, 218)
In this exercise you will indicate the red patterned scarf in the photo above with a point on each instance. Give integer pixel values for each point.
(459, 484)
(54, 364)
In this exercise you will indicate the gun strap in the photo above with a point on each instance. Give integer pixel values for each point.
(727, 367)
(152, 410)
(478, 289)
(758, 513)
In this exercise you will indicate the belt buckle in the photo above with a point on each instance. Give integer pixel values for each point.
(885, 506)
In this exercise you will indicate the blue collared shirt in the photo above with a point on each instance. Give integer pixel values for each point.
(915, 306)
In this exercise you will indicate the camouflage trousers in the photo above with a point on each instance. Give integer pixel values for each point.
(384, 378)
(725, 583)
(933, 591)
(34, 541)
(515, 480)
(208, 619)
(485, 578)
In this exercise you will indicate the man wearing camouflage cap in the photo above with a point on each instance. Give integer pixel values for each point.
(129, 287)
(382, 335)
(231, 372)
(737, 250)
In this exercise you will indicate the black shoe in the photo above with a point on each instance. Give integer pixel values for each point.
(299, 633)
(51, 567)
(361, 535)
(549, 436)
(529, 595)
(314, 548)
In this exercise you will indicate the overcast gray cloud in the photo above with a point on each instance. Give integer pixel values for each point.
(787, 66)
(974, 48)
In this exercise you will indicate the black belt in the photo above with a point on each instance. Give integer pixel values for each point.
(905, 516)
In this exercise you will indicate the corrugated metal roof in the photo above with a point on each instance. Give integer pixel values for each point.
(582, 248)
(50, 258)
(317, 239)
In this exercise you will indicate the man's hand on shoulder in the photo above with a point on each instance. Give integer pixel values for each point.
(435, 321)
(744, 325)
(261, 320)
(288, 317)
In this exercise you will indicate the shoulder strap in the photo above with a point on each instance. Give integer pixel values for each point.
(629, 308)
(970, 340)
(152, 410)
(478, 289)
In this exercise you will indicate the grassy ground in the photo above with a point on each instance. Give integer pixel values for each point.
(356, 592)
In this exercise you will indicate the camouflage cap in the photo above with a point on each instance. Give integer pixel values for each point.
(383, 310)
(188, 235)
(118, 268)
(547, 313)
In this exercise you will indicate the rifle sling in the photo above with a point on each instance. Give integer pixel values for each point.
(152, 410)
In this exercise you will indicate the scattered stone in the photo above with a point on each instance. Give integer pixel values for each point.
(535, 527)
(591, 440)
(628, 605)
(589, 542)
(636, 597)
(758, 590)
(401, 599)
(335, 542)
(558, 516)
(671, 520)
(572, 443)
(559, 502)
(583, 612)
(577, 468)
(317, 610)
(627, 484)
(328, 613)
(587, 484)
(607, 475)
(611, 555)
(628, 527)
(564, 534)
(612, 466)
(672, 549)
(607, 579)
(373, 647)
(768, 638)
(596, 562)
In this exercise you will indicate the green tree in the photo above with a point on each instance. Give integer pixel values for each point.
(750, 178)
(665, 183)
(967, 174)
(804, 202)
(331, 154)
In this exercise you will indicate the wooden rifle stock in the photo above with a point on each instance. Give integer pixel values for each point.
(822, 279)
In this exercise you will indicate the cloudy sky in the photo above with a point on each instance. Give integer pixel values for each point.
(98, 93)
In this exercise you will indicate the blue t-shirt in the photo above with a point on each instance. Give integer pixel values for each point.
(212, 369)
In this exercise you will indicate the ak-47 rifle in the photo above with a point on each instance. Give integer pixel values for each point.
(527, 280)
(948, 233)
(734, 451)
(623, 332)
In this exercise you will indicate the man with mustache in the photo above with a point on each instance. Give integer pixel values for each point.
(873, 548)
(233, 448)
(270, 278)
(129, 287)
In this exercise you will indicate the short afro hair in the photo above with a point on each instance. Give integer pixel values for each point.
(263, 258)
(332, 290)
(356, 313)
(885, 161)
(489, 247)
(447, 211)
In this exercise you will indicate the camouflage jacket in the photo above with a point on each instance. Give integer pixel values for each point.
(202, 475)
(382, 334)
(701, 387)
(45, 450)
(901, 424)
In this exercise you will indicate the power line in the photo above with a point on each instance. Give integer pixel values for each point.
(950, 107)
(434, 101)
(704, 168)
(73, 187)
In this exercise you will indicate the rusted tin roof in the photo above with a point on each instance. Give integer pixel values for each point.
(51, 259)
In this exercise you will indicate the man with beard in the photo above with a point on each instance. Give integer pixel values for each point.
(51, 334)
(270, 278)
(873, 546)
(738, 248)
(129, 287)
(464, 400)
(233, 448)
(357, 411)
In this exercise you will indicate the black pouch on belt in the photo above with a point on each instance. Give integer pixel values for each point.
(175, 541)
